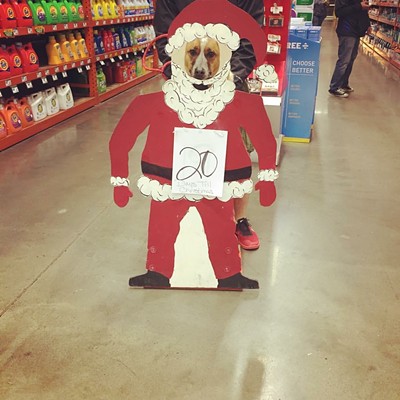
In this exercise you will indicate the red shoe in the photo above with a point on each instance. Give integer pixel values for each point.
(247, 238)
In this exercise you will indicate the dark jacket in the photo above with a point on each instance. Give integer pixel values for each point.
(353, 20)
(243, 59)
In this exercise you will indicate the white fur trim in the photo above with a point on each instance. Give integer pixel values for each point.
(268, 175)
(189, 32)
(162, 192)
(266, 73)
(118, 181)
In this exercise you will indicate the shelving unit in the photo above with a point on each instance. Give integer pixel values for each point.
(49, 75)
(384, 38)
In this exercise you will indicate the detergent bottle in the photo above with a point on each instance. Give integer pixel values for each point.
(38, 12)
(63, 14)
(22, 12)
(81, 11)
(16, 66)
(5, 63)
(81, 45)
(101, 81)
(72, 10)
(74, 46)
(12, 117)
(65, 97)
(36, 101)
(98, 10)
(30, 60)
(3, 125)
(8, 18)
(65, 48)
(51, 12)
(51, 101)
(53, 50)
(25, 111)
(116, 40)
(99, 45)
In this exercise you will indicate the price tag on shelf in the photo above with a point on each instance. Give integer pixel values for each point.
(24, 78)
(73, 65)
(127, 55)
(64, 74)
(87, 67)
(14, 89)
(75, 26)
(30, 31)
(55, 77)
(112, 59)
(28, 85)
(120, 57)
(44, 80)
(102, 62)
(8, 82)
(65, 67)
(57, 69)
(54, 27)
(79, 69)
(84, 24)
(66, 26)
(47, 72)
(16, 33)
(39, 75)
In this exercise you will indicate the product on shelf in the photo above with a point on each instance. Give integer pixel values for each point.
(22, 12)
(65, 98)
(98, 43)
(51, 11)
(5, 63)
(51, 101)
(38, 12)
(38, 106)
(65, 47)
(16, 66)
(12, 118)
(101, 81)
(54, 54)
(25, 111)
(7, 15)
(29, 58)
(74, 46)
(81, 45)
(3, 125)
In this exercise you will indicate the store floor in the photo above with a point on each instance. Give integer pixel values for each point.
(325, 324)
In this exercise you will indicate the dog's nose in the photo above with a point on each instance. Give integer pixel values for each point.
(199, 73)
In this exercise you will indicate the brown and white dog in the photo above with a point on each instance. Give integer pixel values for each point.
(202, 58)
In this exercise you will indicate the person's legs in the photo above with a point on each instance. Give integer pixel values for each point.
(349, 68)
(345, 54)
(246, 235)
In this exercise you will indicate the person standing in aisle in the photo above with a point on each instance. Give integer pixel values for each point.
(242, 64)
(353, 23)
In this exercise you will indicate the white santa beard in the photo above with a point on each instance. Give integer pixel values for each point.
(198, 107)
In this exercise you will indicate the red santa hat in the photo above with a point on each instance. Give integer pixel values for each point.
(217, 12)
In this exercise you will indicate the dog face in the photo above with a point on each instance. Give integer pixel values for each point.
(202, 58)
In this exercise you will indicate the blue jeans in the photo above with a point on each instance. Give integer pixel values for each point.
(347, 53)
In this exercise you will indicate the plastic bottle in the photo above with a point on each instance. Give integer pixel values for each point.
(3, 125)
(106, 42)
(107, 10)
(63, 14)
(38, 12)
(23, 12)
(51, 11)
(12, 118)
(30, 60)
(51, 101)
(99, 45)
(65, 48)
(116, 39)
(36, 101)
(72, 10)
(101, 81)
(81, 11)
(65, 98)
(74, 46)
(5, 63)
(25, 112)
(98, 10)
(81, 45)
(8, 19)
(15, 60)
(54, 54)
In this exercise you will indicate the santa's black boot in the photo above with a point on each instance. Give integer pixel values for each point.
(150, 279)
(237, 281)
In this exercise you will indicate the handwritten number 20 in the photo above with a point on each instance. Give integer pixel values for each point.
(207, 160)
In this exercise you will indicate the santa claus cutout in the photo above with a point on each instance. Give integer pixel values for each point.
(194, 156)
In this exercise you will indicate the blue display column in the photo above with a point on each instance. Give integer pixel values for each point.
(299, 101)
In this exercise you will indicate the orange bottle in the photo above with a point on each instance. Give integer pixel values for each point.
(25, 112)
(3, 125)
(12, 117)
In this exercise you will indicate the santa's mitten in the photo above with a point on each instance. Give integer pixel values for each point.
(121, 190)
(122, 194)
(267, 192)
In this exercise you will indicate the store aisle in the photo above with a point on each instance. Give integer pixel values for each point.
(325, 324)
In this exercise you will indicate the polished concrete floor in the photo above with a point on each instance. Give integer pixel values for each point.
(325, 324)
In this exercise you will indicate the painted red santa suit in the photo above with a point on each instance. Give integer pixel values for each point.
(161, 114)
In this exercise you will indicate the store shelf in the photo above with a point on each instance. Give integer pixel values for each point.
(124, 20)
(42, 73)
(118, 88)
(118, 53)
(81, 104)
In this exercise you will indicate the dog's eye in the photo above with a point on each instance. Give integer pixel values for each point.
(193, 52)
(210, 54)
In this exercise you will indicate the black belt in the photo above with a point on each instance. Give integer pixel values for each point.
(163, 172)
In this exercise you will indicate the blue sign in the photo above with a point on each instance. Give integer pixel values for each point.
(302, 73)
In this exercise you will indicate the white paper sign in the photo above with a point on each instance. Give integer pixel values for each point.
(199, 161)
